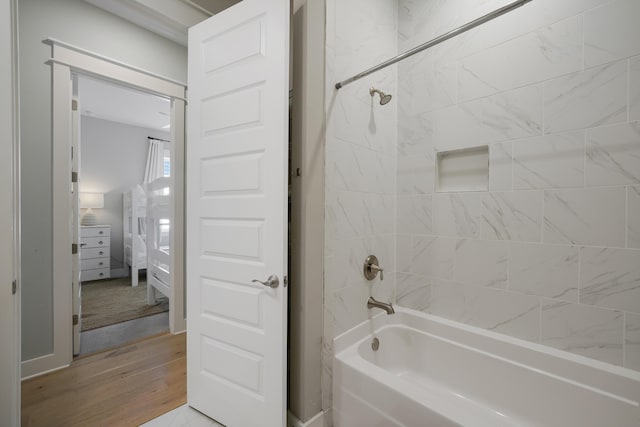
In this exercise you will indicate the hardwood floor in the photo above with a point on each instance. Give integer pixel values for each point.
(123, 387)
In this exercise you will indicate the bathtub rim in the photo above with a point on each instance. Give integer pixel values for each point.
(621, 383)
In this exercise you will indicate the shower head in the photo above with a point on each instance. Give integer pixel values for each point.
(384, 98)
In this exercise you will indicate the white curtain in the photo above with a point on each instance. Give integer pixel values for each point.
(155, 162)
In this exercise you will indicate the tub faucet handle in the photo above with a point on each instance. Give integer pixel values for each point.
(380, 269)
(372, 268)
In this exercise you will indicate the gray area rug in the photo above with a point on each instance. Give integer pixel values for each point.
(107, 302)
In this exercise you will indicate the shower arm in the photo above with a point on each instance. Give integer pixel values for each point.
(466, 27)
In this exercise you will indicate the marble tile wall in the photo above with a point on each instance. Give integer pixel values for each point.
(360, 169)
(551, 253)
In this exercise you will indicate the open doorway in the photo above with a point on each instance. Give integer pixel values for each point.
(123, 170)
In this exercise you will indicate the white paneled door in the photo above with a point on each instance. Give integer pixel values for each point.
(237, 214)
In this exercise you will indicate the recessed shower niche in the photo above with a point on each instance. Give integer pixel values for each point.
(466, 169)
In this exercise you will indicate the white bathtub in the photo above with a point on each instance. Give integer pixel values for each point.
(432, 372)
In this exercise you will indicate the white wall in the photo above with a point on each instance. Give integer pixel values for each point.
(78, 23)
(360, 165)
(113, 157)
(9, 310)
(550, 253)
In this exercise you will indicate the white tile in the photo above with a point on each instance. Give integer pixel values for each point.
(632, 341)
(356, 168)
(457, 215)
(415, 132)
(587, 217)
(500, 166)
(554, 9)
(415, 160)
(412, 291)
(513, 114)
(610, 278)
(550, 161)
(613, 155)
(581, 329)
(594, 97)
(404, 245)
(344, 268)
(433, 256)
(345, 214)
(361, 120)
(414, 214)
(634, 89)
(481, 263)
(349, 307)
(415, 175)
(505, 312)
(512, 216)
(459, 126)
(379, 214)
(365, 34)
(183, 416)
(611, 32)
(447, 300)
(545, 270)
(426, 86)
(548, 52)
(507, 115)
(633, 217)
(501, 311)
(350, 303)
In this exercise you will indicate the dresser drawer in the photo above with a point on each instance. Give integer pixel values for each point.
(95, 231)
(86, 253)
(98, 273)
(94, 242)
(92, 263)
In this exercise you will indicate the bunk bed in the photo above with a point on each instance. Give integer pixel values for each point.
(158, 238)
(134, 225)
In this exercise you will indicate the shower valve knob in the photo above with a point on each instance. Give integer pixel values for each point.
(371, 268)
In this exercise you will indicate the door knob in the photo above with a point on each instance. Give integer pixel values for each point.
(272, 281)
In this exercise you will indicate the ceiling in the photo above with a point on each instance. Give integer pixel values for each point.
(168, 18)
(107, 101)
(214, 6)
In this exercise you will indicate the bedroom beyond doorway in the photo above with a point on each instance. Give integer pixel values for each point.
(123, 157)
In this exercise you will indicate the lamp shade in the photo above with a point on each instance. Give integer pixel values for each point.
(91, 200)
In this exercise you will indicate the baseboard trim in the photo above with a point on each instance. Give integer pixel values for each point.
(316, 421)
(119, 272)
(39, 366)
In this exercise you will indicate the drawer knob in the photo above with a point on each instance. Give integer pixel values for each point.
(101, 252)
(101, 263)
(101, 232)
(101, 274)
(100, 242)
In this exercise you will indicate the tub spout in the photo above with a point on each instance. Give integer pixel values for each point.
(373, 303)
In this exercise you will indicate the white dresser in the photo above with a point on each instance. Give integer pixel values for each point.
(95, 252)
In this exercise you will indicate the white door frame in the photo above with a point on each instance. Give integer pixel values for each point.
(66, 60)
(9, 218)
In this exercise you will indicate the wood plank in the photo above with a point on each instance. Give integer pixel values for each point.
(121, 387)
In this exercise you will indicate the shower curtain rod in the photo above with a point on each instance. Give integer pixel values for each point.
(158, 139)
(466, 27)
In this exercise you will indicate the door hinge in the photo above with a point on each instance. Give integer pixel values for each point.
(286, 281)
(74, 319)
(74, 105)
(14, 287)
(74, 248)
(74, 176)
